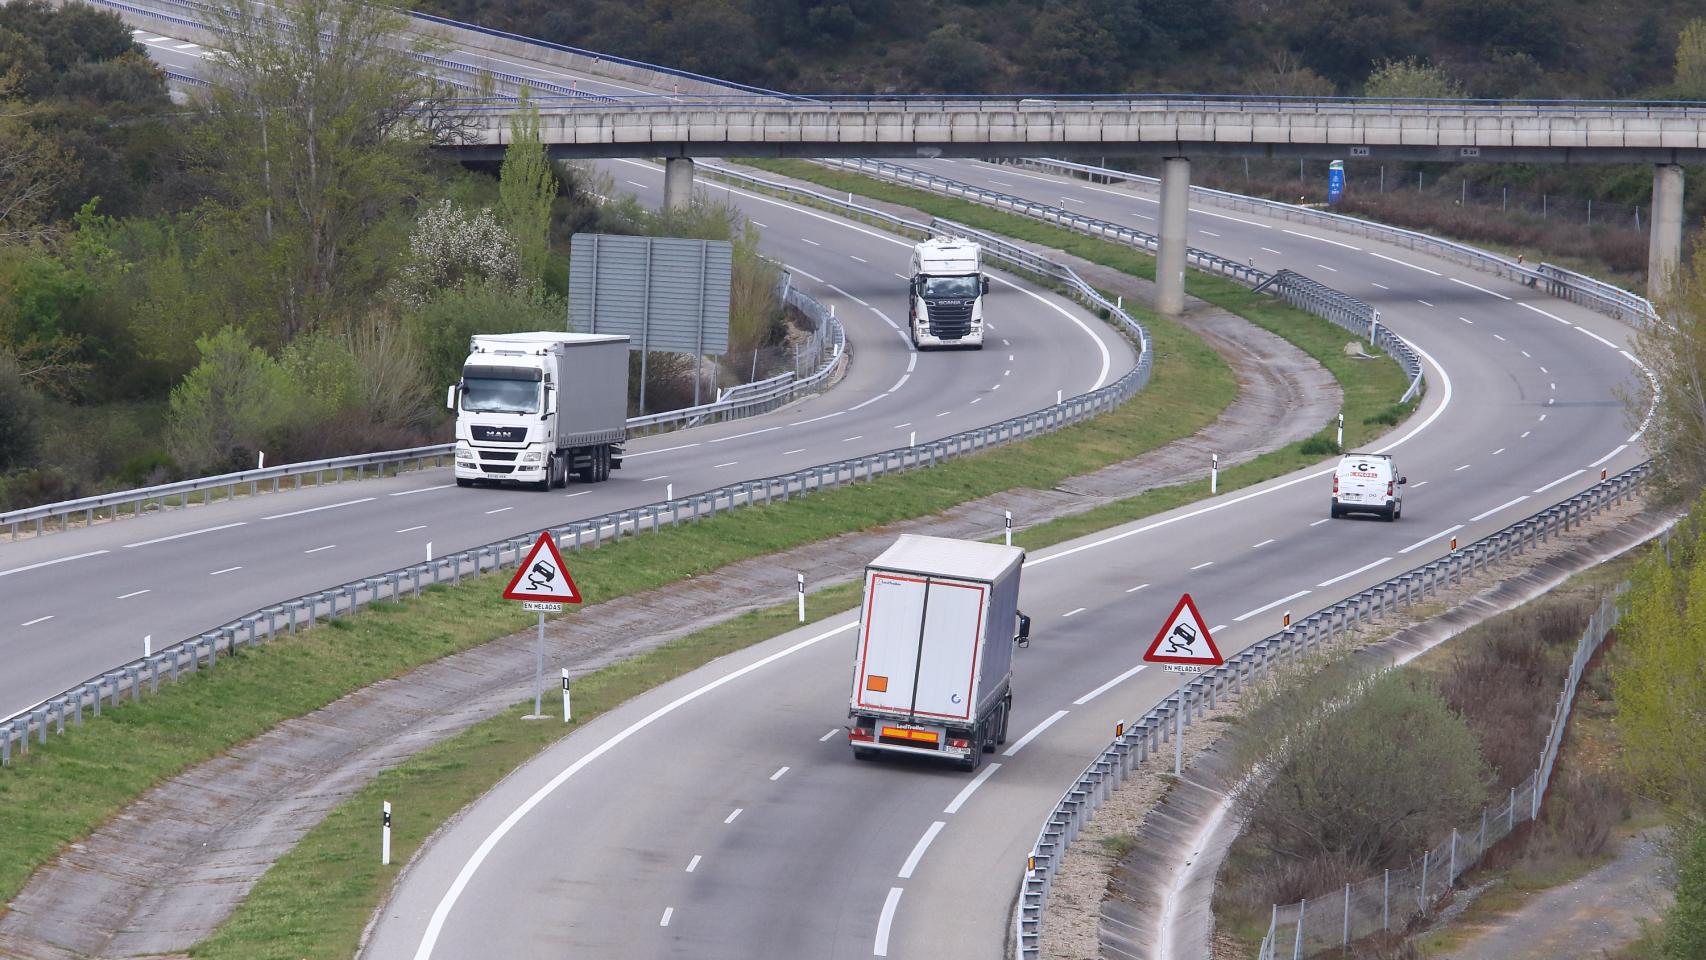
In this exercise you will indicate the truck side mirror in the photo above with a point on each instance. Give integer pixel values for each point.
(1403, 480)
(983, 285)
(450, 397)
(1024, 637)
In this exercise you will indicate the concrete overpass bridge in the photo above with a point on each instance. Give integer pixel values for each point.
(1173, 129)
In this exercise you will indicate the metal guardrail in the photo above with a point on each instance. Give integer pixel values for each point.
(829, 336)
(203, 651)
(1150, 732)
(1557, 281)
(1390, 901)
(1295, 288)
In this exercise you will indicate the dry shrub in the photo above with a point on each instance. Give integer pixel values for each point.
(1584, 807)
(1284, 880)
(1505, 680)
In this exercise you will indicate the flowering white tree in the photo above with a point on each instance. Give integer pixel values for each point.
(451, 247)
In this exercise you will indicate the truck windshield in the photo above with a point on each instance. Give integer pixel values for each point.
(482, 395)
(951, 288)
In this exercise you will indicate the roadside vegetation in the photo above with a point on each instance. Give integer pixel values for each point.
(186, 285)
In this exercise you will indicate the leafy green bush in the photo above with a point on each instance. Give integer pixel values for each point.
(236, 401)
(1319, 445)
(1685, 923)
(19, 407)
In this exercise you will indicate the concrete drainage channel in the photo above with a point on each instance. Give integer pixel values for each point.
(1154, 730)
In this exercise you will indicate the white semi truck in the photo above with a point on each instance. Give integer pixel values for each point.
(947, 294)
(933, 675)
(533, 408)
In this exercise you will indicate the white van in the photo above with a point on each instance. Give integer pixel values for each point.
(1367, 483)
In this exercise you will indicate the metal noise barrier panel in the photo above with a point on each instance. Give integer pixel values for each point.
(203, 651)
(1149, 733)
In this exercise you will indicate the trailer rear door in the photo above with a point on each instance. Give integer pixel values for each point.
(919, 651)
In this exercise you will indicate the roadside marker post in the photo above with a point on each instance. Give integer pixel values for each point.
(1007, 525)
(542, 584)
(1340, 441)
(429, 551)
(565, 694)
(1189, 648)
(148, 645)
(385, 837)
(1214, 474)
(802, 595)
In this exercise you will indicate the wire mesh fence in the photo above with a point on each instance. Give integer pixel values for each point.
(1396, 897)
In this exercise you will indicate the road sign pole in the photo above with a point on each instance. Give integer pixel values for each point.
(1179, 731)
(539, 668)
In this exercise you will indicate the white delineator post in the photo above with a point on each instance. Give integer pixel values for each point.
(802, 595)
(669, 491)
(148, 645)
(1007, 526)
(261, 460)
(429, 551)
(1340, 440)
(1214, 474)
(565, 694)
(385, 837)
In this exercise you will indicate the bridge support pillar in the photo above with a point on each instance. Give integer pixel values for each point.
(1664, 245)
(677, 183)
(1170, 259)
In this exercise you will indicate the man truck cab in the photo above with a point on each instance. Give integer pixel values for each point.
(1367, 483)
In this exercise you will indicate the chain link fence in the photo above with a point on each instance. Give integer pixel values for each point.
(1393, 899)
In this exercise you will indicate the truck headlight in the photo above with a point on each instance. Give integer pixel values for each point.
(533, 456)
(463, 453)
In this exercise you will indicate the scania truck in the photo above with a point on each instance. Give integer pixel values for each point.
(533, 408)
(947, 294)
(934, 666)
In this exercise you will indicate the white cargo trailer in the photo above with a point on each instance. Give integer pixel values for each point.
(934, 669)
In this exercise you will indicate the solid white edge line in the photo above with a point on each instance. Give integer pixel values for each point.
(133, 593)
(1107, 358)
(1403, 264)
(918, 849)
(1445, 401)
(1472, 286)
(880, 947)
(970, 788)
(1482, 516)
(1566, 477)
(739, 436)
(429, 939)
(647, 453)
(1544, 313)
(1620, 448)
(192, 533)
(1427, 540)
(49, 563)
(1269, 606)
(1036, 732)
(329, 506)
(1597, 337)
(1320, 239)
(1346, 576)
(405, 493)
(1104, 688)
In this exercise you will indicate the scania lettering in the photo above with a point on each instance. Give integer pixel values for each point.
(534, 408)
(947, 294)
(933, 670)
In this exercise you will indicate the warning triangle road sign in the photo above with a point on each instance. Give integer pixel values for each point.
(543, 576)
(1184, 639)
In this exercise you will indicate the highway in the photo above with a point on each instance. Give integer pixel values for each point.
(722, 815)
(80, 602)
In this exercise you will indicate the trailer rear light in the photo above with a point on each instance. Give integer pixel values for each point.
(860, 733)
(902, 733)
(957, 744)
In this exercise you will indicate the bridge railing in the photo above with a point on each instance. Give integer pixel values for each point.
(1153, 731)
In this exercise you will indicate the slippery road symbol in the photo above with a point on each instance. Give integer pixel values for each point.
(542, 576)
(1183, 637)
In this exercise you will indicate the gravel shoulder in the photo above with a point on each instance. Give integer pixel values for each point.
(164, 873)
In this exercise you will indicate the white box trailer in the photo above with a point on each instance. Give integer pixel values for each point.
(934, 668)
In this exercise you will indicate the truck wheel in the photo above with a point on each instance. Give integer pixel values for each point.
(562, 471)
(603, 462)
(971, 763)
(1006, 714)
(464, 482)
(860, 753)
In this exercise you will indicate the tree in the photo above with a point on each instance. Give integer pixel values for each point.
(451, 247)
(952, 62)
(314, 136)
(1685, 922)
(1673, 355)
(1071, 52)
(527, 187)
(1411, 78)
(1365, 771)
(32, 166)
(1286, 76)
(1659, 672)
(1691, 61)
(234, 402)
(20, 420)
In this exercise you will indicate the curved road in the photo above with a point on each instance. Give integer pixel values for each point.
(722, 815)
(80, 602)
